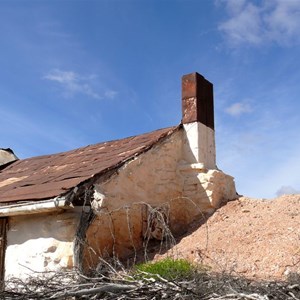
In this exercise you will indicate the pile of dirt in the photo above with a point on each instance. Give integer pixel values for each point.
(255, 238)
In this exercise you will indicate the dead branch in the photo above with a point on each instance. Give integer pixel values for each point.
(108, 288)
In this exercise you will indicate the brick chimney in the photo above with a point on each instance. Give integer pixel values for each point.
(7, 156)
(198, 121)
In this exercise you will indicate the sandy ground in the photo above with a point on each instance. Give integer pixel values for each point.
(255, 238)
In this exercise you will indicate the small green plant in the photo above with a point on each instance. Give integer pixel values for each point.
(168, 268)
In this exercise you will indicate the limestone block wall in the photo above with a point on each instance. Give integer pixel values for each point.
(40, 243)
(117, 233)
(121, 203)
(150, 178)
(160, 178)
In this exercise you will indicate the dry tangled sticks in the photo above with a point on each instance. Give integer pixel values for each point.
(122, 285)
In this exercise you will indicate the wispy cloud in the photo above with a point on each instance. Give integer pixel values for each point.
(72, 83)
(110, 94)
(238, 108)
(255, 23)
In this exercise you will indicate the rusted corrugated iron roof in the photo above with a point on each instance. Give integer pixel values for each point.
(48, 176)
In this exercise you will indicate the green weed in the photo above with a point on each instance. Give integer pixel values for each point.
(170, 269)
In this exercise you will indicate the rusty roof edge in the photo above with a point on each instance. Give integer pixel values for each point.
(113, 169)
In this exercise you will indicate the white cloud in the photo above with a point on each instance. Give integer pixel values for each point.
(286, 190)
(284, 21)
(244, 25)
(64, 77)
(73, 83)
(110, 94)
(235, 6)
(275, 21)
(238, 108)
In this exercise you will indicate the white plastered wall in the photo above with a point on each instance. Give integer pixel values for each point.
(40, 243)
(199, 144)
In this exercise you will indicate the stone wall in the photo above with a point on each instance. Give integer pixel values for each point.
(121, 202)
(160, 178)
(207, 189)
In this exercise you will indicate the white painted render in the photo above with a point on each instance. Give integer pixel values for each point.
(199, 144)
(40, 243)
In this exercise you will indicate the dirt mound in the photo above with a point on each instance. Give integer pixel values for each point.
(258, 239)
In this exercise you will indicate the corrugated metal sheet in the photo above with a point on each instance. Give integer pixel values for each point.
(49, 176)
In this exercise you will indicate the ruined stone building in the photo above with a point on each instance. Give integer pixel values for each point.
(68, 209)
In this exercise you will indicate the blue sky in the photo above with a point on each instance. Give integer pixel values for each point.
(74, 73)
